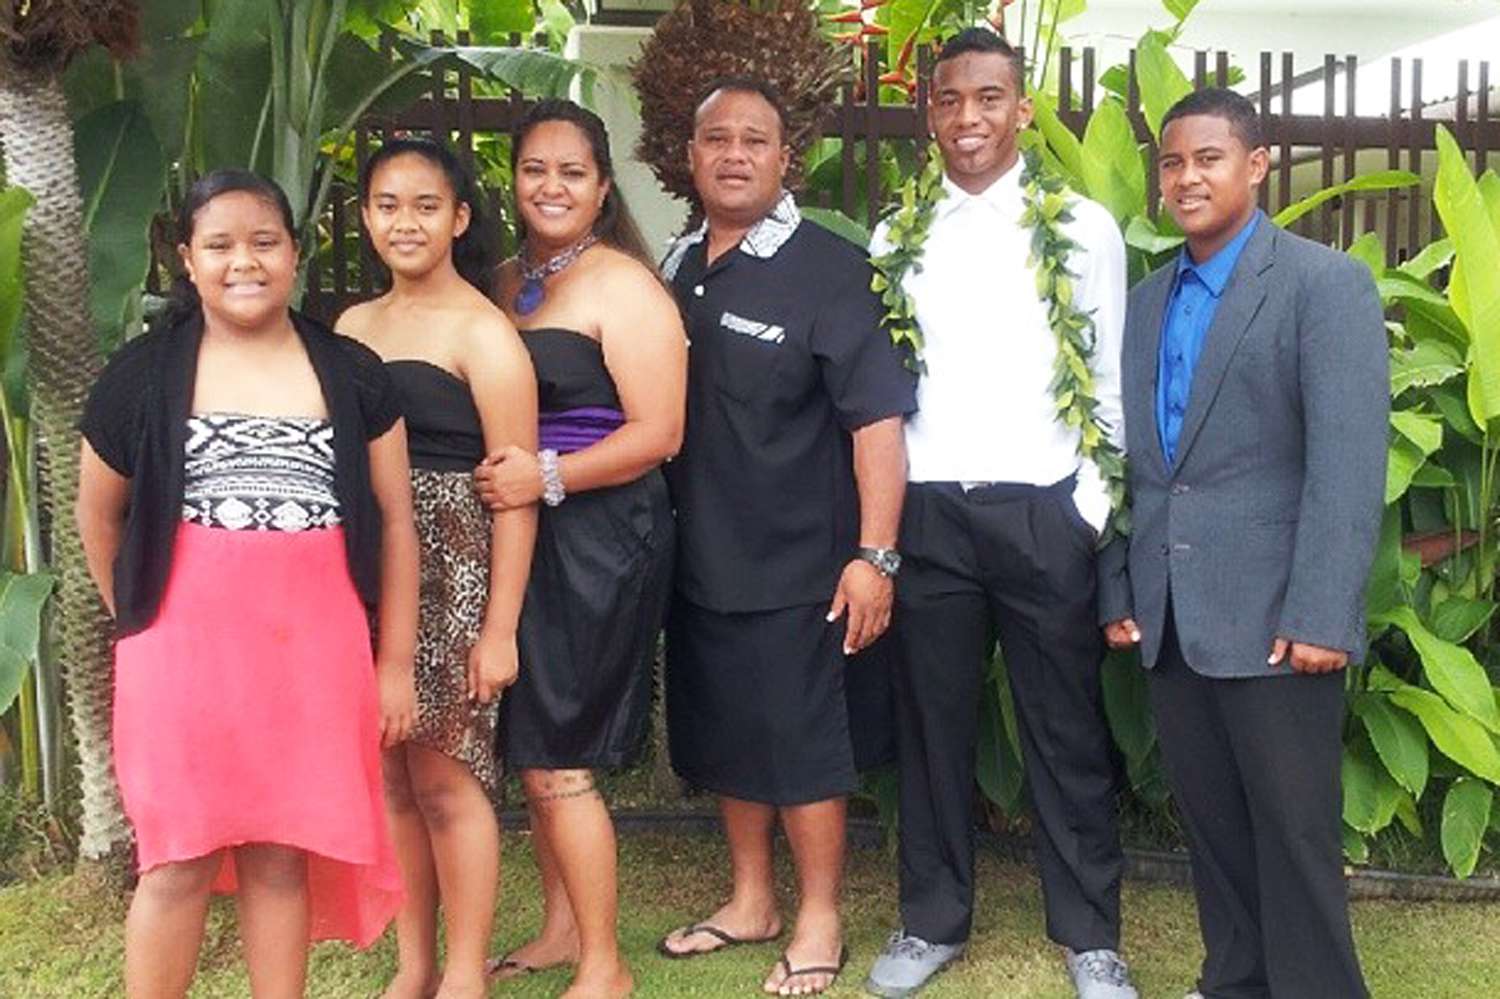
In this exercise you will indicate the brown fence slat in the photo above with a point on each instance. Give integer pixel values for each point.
(873, 131)
(1393, 160)
(1351, 66)
(465, 108)
(1264, 103)
(1414, 200)
(1482, 120)
(1065, 79)
(1330, 95)
(1284, 172)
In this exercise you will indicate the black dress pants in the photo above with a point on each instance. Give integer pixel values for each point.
(1254, 769)
(1016, 562)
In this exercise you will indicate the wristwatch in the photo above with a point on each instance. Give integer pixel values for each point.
(887, 561)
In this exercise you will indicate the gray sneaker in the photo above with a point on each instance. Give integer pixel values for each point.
(1195, 994)
(906, 964)
(1099, 974)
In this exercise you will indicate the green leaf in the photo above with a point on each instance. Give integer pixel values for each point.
(123, 174)
(1127, 707)
(1356, 850)
(1476, 243)
(1370, 795)
(14, 202)
(493, 22)
(234, 82)
(558, 22)
(999, 771)
(1112, 170)
(1460, 738)
(1403, 459)
(1380, 180)
(1179, 9)
(1060, 138)
(1398, 740)
(839, 224)
(1398, 286)
(21, 600)
(1423, 431)
(1452, 670)
(1428, 363)
(1384, 591)
(1144, 235)
(1466, 812)
(1369, 251)
(1406, 811)
(1458, 617)
(1434, 256)
(1162, 82)
(1431, 476)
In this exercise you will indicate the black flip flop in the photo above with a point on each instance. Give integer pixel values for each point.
(832, 971)
(497, 969)
(725, 938)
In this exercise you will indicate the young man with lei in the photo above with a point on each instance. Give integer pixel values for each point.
(1010, 292)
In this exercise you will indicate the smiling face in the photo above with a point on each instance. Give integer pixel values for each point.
(412, 214)
(241, 259)
(976, 111)
(1208, 180)
(559, 190)
(738, 157)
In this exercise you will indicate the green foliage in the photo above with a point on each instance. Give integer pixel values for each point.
(13, 204)
(1162, 82)
(1381, 180)
(22, 597)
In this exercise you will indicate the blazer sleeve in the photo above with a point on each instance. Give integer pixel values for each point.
(1344, 376)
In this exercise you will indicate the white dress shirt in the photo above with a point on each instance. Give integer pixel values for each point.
(985, 409)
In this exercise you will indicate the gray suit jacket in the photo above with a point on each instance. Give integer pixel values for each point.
(1267, 523)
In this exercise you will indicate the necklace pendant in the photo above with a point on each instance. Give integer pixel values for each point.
(529, 298)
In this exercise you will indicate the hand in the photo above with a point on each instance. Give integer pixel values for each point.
(493, 664)
(1306, 657)
(398, 702)
(1122, 634)
(509, 478)
(867, 596)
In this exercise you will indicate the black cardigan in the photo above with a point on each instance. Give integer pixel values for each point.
(136, 421)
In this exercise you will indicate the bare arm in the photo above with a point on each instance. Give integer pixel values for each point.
(390, 480)
(503, 385)
(645, 350)
(103, 495)
(880, 476)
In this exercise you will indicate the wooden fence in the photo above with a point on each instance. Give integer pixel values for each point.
(1334, 145)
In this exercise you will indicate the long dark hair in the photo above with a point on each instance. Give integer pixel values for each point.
(183, 302)
(473, 250)
(614, 225)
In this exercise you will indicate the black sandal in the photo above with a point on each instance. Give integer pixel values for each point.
(725, 938)
(832, 971)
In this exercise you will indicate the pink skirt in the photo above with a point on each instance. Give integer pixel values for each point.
(247, 713)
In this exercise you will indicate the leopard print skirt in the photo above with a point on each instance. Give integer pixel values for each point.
(454, 531)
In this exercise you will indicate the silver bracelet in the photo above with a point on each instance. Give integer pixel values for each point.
(553, 492)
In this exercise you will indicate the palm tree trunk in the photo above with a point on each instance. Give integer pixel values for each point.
(64, 361)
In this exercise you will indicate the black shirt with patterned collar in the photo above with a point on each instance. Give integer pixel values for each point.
(788, 356)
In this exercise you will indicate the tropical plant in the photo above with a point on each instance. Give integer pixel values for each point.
(27, 682)
(37, 42)
(700, 41)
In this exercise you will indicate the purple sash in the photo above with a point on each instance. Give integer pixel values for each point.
(575, 429)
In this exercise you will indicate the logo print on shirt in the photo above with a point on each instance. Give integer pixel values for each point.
(751, 328)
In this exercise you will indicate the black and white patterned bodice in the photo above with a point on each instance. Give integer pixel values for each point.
(260, 473)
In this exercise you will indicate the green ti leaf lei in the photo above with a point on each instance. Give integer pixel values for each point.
(1049, 205)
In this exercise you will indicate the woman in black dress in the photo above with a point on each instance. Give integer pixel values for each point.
(466, 387)
(611, 363)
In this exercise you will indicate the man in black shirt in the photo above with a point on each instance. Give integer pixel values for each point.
(788, 493)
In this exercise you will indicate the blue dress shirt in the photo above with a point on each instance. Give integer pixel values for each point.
(1190, 312)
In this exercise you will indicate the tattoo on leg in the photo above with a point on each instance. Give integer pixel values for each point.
(560, 789)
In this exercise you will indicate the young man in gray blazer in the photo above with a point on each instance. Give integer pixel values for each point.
(1256, 396)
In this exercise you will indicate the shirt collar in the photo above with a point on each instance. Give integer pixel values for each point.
(1214, 272)
(1003, 195)
(762, 241)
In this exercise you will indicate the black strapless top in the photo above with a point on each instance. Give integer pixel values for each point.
(570, 371)
(443, 432)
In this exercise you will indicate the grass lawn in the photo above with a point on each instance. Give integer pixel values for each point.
(57, 942)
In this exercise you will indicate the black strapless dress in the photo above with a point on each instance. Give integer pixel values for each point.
(445, 441)
(598, 587)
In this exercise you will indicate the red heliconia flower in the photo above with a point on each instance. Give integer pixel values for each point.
(847, 17)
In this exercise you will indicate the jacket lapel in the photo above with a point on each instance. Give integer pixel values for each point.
(1242, 300)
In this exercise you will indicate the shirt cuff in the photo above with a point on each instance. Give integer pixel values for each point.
(1092, 503)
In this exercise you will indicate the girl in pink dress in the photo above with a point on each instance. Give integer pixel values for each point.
(244, 503)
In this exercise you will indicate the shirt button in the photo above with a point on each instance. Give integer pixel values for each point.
(698, 290)
(1187, 310)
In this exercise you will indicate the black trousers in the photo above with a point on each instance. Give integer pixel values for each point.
(1254, 769)
(1014, 562)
